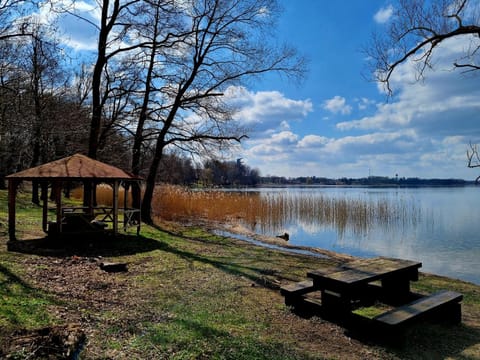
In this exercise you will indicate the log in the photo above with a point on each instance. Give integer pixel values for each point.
(114, 267)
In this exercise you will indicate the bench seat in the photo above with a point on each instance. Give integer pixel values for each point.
(441, 306)
(293, 292)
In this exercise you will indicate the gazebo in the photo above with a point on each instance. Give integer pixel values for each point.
(76, 219)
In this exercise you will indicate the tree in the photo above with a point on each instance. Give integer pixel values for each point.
(32, 78)
(417, 28)
(13, 22)
(473, 159)
(225, 43)
(229, 173)
(161, 29)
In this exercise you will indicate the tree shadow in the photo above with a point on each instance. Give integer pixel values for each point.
(87, 245)
(439, 341)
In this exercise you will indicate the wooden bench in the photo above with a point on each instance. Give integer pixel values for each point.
(293, 292)
(441, 306)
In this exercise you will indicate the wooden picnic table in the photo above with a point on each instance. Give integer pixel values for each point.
(353, 281)
(365, 282)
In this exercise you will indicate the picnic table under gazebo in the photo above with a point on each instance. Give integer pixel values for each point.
(76, 219)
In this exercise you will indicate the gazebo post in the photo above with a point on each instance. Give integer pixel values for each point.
(115, 207)
(44, 197)
(57, 189)
(125, 204)
(12, 195)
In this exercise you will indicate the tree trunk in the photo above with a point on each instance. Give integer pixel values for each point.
(151, 182)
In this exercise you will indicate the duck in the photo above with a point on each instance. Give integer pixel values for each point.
(284, 236)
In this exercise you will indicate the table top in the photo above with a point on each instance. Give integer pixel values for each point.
(364, 271)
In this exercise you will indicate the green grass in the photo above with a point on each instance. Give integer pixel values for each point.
(189, 294)
(20, 304)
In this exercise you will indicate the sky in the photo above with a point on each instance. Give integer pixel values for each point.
(336, 122)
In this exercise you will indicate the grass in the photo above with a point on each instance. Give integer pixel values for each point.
(189, 294)
(21, 304)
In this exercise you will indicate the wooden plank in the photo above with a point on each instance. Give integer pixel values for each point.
(325, 271)
(298, 288)
(355, 274)
(382, 265)
(419, 307)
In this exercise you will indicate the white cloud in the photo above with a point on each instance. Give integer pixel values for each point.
(364, 103)
(337, 104)
(266, 110)
(384, 14)
(312, 141)
(446, 103)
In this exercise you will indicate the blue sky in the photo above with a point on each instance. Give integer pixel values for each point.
(336, 123)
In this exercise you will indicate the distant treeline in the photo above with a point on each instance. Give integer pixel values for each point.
(217, 173)
(368, 181)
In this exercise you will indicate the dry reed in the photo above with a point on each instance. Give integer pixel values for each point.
(270, 212)
(104, 195)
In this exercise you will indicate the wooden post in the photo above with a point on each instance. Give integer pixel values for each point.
(57, 189)
(12, 195)
(44, 196)
(125, 204)
(115, 207)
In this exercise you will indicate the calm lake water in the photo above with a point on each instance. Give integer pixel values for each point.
(438, 226)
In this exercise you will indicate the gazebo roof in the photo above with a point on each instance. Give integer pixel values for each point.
(75, 167)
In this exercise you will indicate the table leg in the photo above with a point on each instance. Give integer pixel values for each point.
(396, 290)
(336, 303)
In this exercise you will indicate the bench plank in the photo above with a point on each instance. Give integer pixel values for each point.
(306, 286)
(419, 307)
(298, 288)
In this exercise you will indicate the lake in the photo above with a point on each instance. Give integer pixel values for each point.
(438, 226)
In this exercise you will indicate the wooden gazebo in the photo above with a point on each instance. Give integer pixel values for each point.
(80, 219)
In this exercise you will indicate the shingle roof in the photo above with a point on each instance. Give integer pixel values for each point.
(74, 167)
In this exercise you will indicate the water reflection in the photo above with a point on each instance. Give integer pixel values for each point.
(437, 226)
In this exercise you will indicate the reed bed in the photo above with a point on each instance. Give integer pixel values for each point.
(271, 212)
(104, 195)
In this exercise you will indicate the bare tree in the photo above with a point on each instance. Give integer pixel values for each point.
(162, 30)
(13, 22)
(417, 28)
(227, 44)
(473, 159)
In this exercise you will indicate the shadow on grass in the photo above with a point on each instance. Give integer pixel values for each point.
(231, 264)
(8, 277)
(85, 245)
(440, 341)
(20, 303)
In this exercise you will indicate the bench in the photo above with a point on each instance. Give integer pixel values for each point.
(441, 306)
(293, 292)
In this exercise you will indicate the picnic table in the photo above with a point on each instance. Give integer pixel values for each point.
(353, 281)
(364, 282)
